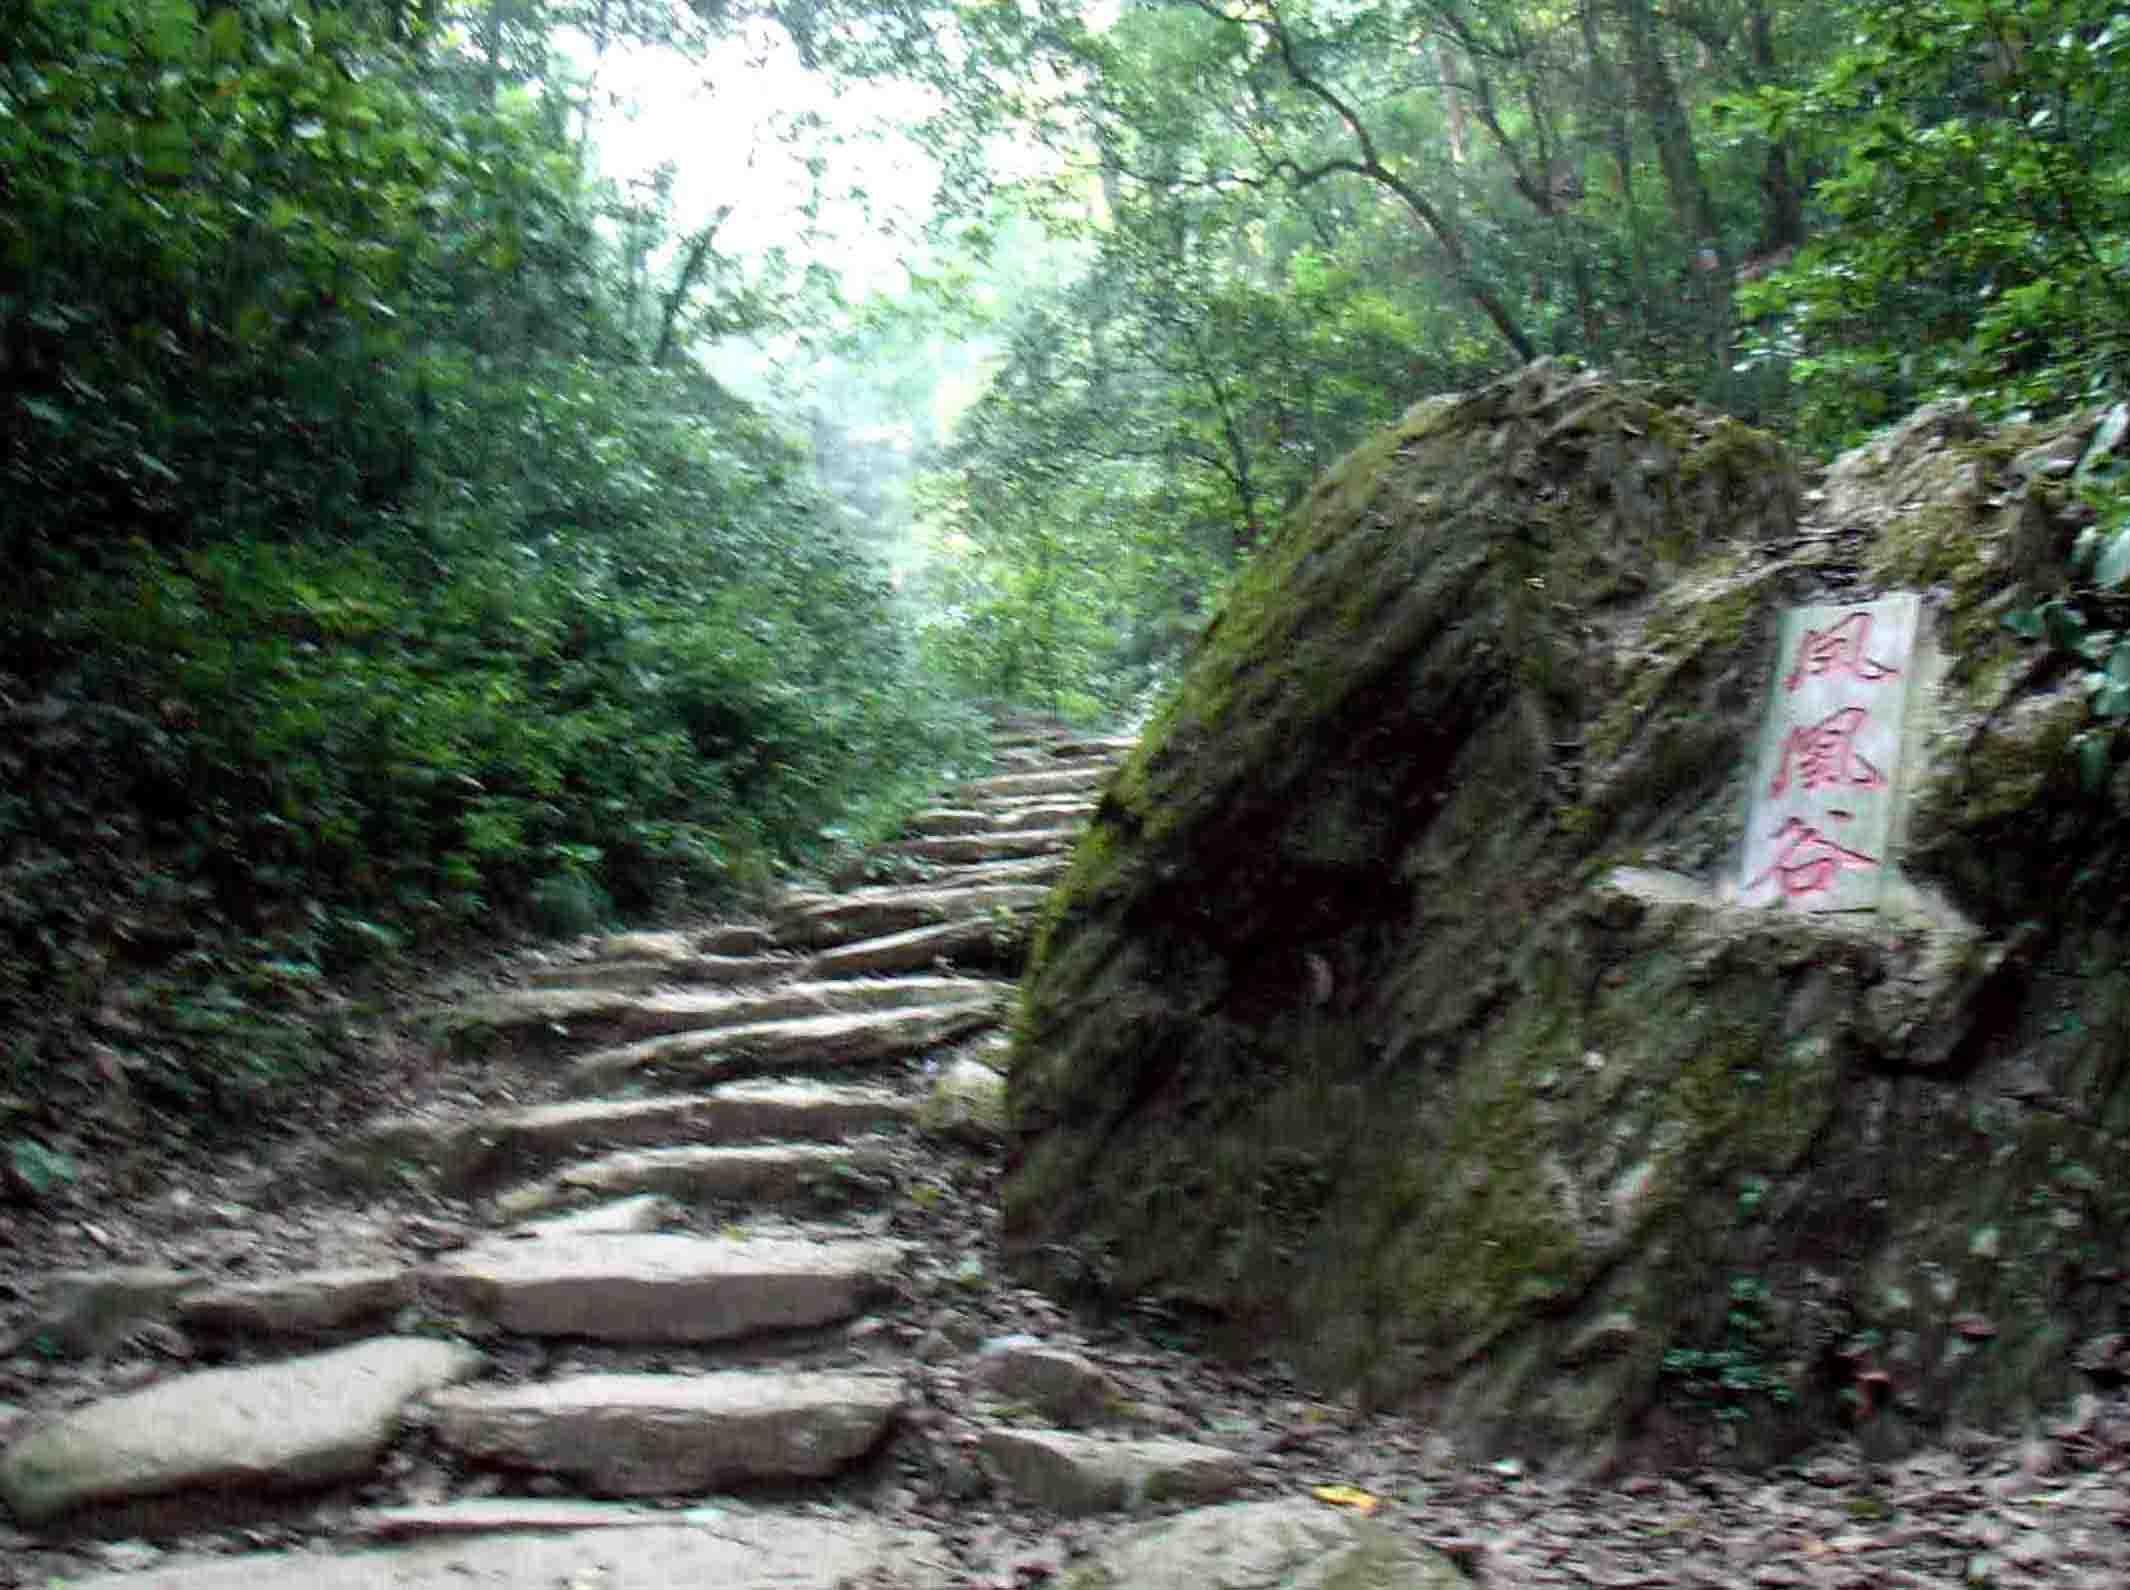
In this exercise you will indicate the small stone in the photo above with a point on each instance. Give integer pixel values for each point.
(87, 1312)
(1064, 1387)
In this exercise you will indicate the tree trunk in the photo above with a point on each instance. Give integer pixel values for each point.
(1656, 95)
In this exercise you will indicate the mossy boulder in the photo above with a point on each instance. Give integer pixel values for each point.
(1394, 1014)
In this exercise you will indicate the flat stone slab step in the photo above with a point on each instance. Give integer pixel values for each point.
(1047, 814)
(661, 1287)
(274, 1427)
(1007, 786)
(974, 941)
(944, 821)
(481, 1150)
(731, 938)
(660, 1435)
(875, 913)
(728, 1548)
(311, 1303)
(1009, 845)
(1095, 1474)
(766, 1173)
(644, 1212)
(622, 1013)
(866, 1037)
(951, 822)
(722, 970)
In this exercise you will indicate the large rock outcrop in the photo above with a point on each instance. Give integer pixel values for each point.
(1397, 1012)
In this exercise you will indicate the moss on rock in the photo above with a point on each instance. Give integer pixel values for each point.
(1391, 1011)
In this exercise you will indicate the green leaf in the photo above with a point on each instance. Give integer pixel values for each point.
(2105, 436)
(38, 1168)
(225, 35)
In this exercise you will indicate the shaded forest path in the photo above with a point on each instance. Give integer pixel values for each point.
(691, 1279)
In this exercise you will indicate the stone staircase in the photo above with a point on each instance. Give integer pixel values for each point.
(680, 1312)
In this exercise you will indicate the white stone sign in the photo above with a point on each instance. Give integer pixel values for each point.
(1820, 811)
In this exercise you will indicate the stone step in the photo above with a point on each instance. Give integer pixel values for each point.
(616, 1013)
(661, 1287)
(1096, 1474)
(632, 975)
(988, 942)
(833, 1042)
(875, 913)
(731, 939)
(478, 1151)
(1040, 811)
(662, 1435)
(1007, 845)
(1044, 814)
(891, 873)
(726, 1548)
(309, 1303)
(698, 1173)
(230, 1432)
(620, 1216)
(943, 821)
(1051, 781)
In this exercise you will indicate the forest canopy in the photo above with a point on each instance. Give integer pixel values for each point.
(412, 539)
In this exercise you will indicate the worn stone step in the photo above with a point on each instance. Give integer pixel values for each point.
(724, 1547)
(907, 873)
(875, 913)
(944, 821)
(309, 1303)
(273, 1427)
(1005, 845)
(644, 1212)
(1095, 1474)
(992, 943)
(634, 975)
(661, 1435)
(763, 1173)
(614, 1013)
(676, 944)
(661, 1287)
(475, 1152)
(832, 1042)
(1051, 781)
(1044, 814)
(1110, 748)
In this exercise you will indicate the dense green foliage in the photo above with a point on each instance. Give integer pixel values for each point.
(386, 569)
(382, 573)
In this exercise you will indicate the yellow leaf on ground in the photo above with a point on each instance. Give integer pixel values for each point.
(1346, 1496)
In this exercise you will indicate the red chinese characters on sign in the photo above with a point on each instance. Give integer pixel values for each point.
(1838, 649)
(1807, 861)
(1824, 755)
(1834, 738)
